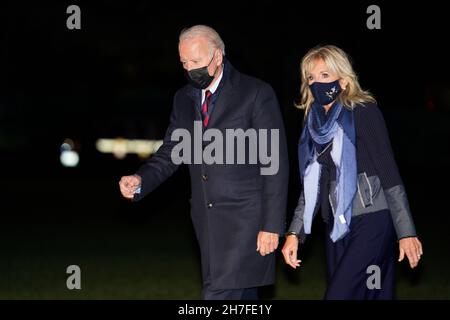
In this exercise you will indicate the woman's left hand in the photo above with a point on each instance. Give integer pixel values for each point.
(412, 247)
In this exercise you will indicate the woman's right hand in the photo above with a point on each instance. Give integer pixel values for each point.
(290, 250)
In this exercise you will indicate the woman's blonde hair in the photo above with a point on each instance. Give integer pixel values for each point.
(337, 62)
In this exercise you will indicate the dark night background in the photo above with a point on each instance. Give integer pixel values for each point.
(116, 78)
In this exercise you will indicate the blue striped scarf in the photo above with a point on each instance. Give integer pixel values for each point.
(339, 129)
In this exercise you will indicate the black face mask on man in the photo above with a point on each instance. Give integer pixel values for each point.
(199, 77)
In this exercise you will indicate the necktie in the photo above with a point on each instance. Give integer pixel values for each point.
(205, 105)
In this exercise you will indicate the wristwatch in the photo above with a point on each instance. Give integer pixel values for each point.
(291, 233)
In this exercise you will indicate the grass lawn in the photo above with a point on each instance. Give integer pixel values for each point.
(140, 257)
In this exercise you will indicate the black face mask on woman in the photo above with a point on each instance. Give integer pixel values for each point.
(325, 93)
(200, 78)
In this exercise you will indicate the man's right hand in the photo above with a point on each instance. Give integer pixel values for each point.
(129, 184)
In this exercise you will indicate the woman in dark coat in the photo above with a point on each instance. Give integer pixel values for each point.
(348, 170)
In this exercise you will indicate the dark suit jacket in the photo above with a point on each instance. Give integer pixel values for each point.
(230, 203)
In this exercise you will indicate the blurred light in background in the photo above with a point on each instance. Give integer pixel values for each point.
(68, 156)
(120, 147)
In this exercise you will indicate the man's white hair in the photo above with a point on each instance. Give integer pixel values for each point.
(211, 35)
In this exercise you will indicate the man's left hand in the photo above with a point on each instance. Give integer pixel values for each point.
(267, 242)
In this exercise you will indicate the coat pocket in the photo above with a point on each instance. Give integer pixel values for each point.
(365, 190)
